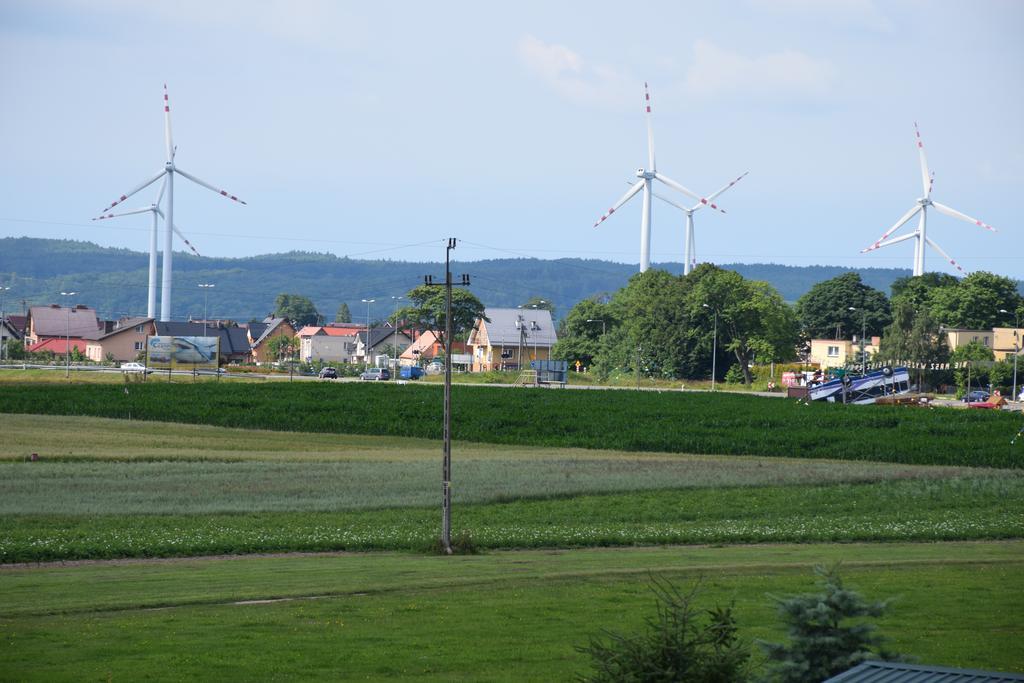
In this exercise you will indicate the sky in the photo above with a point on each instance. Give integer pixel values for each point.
(378, 130)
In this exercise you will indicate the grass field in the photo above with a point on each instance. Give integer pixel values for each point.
(118, 490)
(669, 422)
(503, 616)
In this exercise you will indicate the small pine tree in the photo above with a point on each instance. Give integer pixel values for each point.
(821, 644)
(343, 315)
(675, 646)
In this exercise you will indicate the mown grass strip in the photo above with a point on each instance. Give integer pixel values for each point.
(955, 509)
(672, 422)
(509, 616)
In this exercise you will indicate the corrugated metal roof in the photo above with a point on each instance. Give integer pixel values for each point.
(894, 672)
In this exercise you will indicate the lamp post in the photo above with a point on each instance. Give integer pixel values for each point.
(1016, 347)
(67, 332)
(714, 347)
(366, 351)
(599, 320)
(396, 300)
(3, 322)
(863, 332)
(206, 301)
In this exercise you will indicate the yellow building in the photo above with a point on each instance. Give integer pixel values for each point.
(958, 336)
(510, 332)
(836, 353)
(1006, 340)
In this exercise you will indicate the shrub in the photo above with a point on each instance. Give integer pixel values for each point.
(823, 642)
(675, 646)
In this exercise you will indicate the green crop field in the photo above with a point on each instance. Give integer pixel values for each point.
(669, 422)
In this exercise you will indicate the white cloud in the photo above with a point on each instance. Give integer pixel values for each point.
(716, 71)
(566, 72)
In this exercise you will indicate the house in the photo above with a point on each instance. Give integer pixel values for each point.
(234, 341)
(260, 334)
(957, 336)
(512, 338)
(381, 338)
(1006, 341)
(59, 346)
(124, 342)
(327, 344)
(54, 321)
(8, 331)
(837, 353)
(425, 348)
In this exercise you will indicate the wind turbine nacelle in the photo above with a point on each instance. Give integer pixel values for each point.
(640, 173)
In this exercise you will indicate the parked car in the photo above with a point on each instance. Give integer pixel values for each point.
(376, 374)
(976, 396)
(328, 373)
(134, 367)
(410, 372)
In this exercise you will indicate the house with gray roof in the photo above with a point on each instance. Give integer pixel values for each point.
(123, 343)
(55, 321)
(380, 338)
(511, 338)
(897, 672)
(261, 333)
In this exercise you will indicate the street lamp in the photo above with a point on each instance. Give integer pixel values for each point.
(396, 299)
(67, 331)
(366, 351)
(1016, 347)
(3, 322)
(206, 301)
(714, 348)
(604, 326)
(863, 332)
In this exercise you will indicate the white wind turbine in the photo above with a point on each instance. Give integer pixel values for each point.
(691, 254)
(167, 173)
(153, 208)
(646, 177)
(927, 180)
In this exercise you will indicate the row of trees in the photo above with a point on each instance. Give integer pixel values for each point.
(667, 326)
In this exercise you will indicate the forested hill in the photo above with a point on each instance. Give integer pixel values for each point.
(115, 280)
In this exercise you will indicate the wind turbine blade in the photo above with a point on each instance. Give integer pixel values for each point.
(676, 186)
(208, 186)
(894, 240)
(926, 177)
(185, 240)
(669, 201)
(167, 126)
(906, 217)
(160, 195)
(143, 186)
(650, 132)
(123, 213)
(625, 198)
(962, 216)
(712, 196)
(948, 257)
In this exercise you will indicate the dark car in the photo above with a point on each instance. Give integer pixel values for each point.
(328, 373)
(976, 396)
(376, 374)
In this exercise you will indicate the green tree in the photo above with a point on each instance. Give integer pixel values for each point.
(283, 347)
(427, 312)
(914, 337)
(917, 289)
(680, 643)
(828, 633)
(581, 332)
(975, 301)
(827, 305)
(753, 320)
(343, 315)
(298, 309)
(541, 303)
(978, 374)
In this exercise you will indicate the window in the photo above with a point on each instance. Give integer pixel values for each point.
(140, 328)
(986, 340)
(833, 352)
(139, 345)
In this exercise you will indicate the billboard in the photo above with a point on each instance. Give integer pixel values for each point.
(184, 353)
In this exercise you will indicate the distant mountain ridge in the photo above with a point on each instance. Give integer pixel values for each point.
(114, 280)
